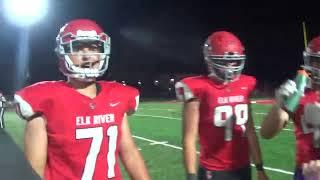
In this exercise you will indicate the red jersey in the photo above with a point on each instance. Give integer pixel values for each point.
(306, 150)
(83, 133)
(223, 117)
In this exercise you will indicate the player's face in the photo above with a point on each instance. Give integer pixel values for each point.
(86, 54)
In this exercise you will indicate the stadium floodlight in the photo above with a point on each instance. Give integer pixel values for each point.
(24, 13)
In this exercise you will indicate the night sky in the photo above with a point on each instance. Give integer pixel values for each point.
(153, 37)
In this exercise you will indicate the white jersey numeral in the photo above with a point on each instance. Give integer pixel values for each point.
(112, 133)
(224, 117)
(96, 134)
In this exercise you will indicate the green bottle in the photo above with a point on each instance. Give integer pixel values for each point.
(292, 102)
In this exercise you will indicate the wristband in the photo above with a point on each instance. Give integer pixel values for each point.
(191, 176)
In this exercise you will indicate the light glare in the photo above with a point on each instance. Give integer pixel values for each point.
(24, 12)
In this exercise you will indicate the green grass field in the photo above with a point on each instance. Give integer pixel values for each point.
(157, 131)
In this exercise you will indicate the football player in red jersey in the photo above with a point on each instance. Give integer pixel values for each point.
(305, 117)
(217, 108)
(76, 129)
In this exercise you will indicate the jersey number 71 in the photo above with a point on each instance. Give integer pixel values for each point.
(97, 135)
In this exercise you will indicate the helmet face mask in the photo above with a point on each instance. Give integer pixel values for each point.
(224, 56)
(311, 57)
(312, 65)
(225, 71)
(75, 62)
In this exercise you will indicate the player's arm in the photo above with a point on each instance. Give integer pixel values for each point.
(277, 117)
(274, 122)
(130, 155)
(254, 146)
(35, 144)
(190, 123)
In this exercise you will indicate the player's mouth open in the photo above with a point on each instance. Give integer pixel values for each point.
(86, 65)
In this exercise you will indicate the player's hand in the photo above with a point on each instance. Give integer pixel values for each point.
(285, 90)
(311, 170)
(262, 175)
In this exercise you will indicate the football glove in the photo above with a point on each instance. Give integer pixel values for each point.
(287, 89)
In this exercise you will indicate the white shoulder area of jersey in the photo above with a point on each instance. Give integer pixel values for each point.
(25, 110)
(183, 92)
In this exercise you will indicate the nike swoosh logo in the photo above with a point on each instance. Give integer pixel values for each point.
(114, 104)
